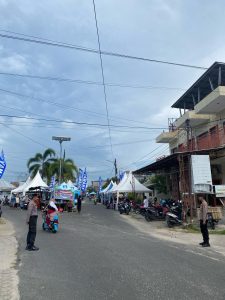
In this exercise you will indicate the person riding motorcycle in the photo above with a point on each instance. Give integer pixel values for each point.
(52, 210)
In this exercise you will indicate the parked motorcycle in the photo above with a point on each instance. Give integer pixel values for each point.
(173, 217)
(212, 222)
(156, 213)
(124, 208)
(50, 225)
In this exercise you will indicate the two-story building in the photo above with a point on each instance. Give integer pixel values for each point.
(200, 129)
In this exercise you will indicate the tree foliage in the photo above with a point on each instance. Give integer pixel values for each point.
(159, 182)
(48, 166)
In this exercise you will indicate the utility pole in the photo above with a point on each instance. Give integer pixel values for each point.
(189, 168)
(116, 170)
(60, 139)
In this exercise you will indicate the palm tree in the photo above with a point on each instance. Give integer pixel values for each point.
(41, 162)
(69, 169)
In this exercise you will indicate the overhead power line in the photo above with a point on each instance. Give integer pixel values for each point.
(103, 78)
(60, 105)
(90, 82)
(48, 42)
(79, 123)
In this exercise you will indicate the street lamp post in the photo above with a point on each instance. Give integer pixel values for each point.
(60, 139)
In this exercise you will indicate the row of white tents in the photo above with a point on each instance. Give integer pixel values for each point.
(30, 183)
(128, 184)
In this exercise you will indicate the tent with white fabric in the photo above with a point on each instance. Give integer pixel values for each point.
(112, 188)
(116, 187)
(132, 185)
(20, 189)
(109, 186)
(5, 186)
(36, 182)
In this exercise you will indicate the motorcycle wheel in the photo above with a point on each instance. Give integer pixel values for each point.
(127, 212)
(121, 212)
(147, 218)
(168, 223)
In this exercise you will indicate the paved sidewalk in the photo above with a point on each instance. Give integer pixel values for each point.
(159, 230)
(8, 256)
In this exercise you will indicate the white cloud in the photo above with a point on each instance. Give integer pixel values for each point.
(14, 63)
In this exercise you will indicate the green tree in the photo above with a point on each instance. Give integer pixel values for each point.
(69, 169)
(41, 162)
(159, 182)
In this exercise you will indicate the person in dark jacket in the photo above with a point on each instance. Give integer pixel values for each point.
(79, 201)
(31, 220)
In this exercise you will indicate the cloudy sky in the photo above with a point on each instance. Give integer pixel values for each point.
(189, 32)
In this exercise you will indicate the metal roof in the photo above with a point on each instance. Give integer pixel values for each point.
(172, 160)
(211, 79)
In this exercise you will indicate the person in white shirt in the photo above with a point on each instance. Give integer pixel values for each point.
(146, 202)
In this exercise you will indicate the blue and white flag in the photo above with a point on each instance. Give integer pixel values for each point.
(99, 184)
(2, 164)
(80, 178)
(52, 183)
(121, 174)
(84, 181)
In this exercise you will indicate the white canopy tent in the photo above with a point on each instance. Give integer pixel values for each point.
(36, 182)
(110, 190)
(20, 189)
(116, 187)
(5, 186)
(132, 185)
(110, 185)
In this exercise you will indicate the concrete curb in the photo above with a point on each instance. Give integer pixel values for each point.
(9, 279)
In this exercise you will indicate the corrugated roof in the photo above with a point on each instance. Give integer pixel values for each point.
(203, 86)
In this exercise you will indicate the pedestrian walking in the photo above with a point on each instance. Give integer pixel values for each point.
(17, 201)
(31, 220)
(79, 201)
(203, 216)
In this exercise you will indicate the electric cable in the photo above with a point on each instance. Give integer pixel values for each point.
(103, 77)
(48, 42)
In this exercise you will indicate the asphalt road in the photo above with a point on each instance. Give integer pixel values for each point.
(98, 255)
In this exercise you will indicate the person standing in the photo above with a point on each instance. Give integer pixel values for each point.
(203, 216)
(79, 201)
(31, 220)
(146, 202)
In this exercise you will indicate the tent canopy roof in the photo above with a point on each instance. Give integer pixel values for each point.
(132, 185)
(36, 182)
(21, 188)
(5, 185)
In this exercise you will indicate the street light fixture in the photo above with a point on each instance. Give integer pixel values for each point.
(60, 139)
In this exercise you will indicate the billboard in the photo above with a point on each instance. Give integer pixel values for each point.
(220, 190)
(201, 174)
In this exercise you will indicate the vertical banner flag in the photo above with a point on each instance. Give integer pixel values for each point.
(84, 181)
(121, 174)
(52, 183)
(80, 178)
(2, 164)
(99, 184)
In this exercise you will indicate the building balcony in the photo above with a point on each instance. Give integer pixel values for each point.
(167, 137)
(213, 103)
(194, 119)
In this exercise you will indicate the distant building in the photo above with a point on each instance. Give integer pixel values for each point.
(95, 184)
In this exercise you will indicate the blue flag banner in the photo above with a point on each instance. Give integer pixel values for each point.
(84, 181)
(52, 183)
(99, 184)
(2, 164)
(121, 174)
(80, 178)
